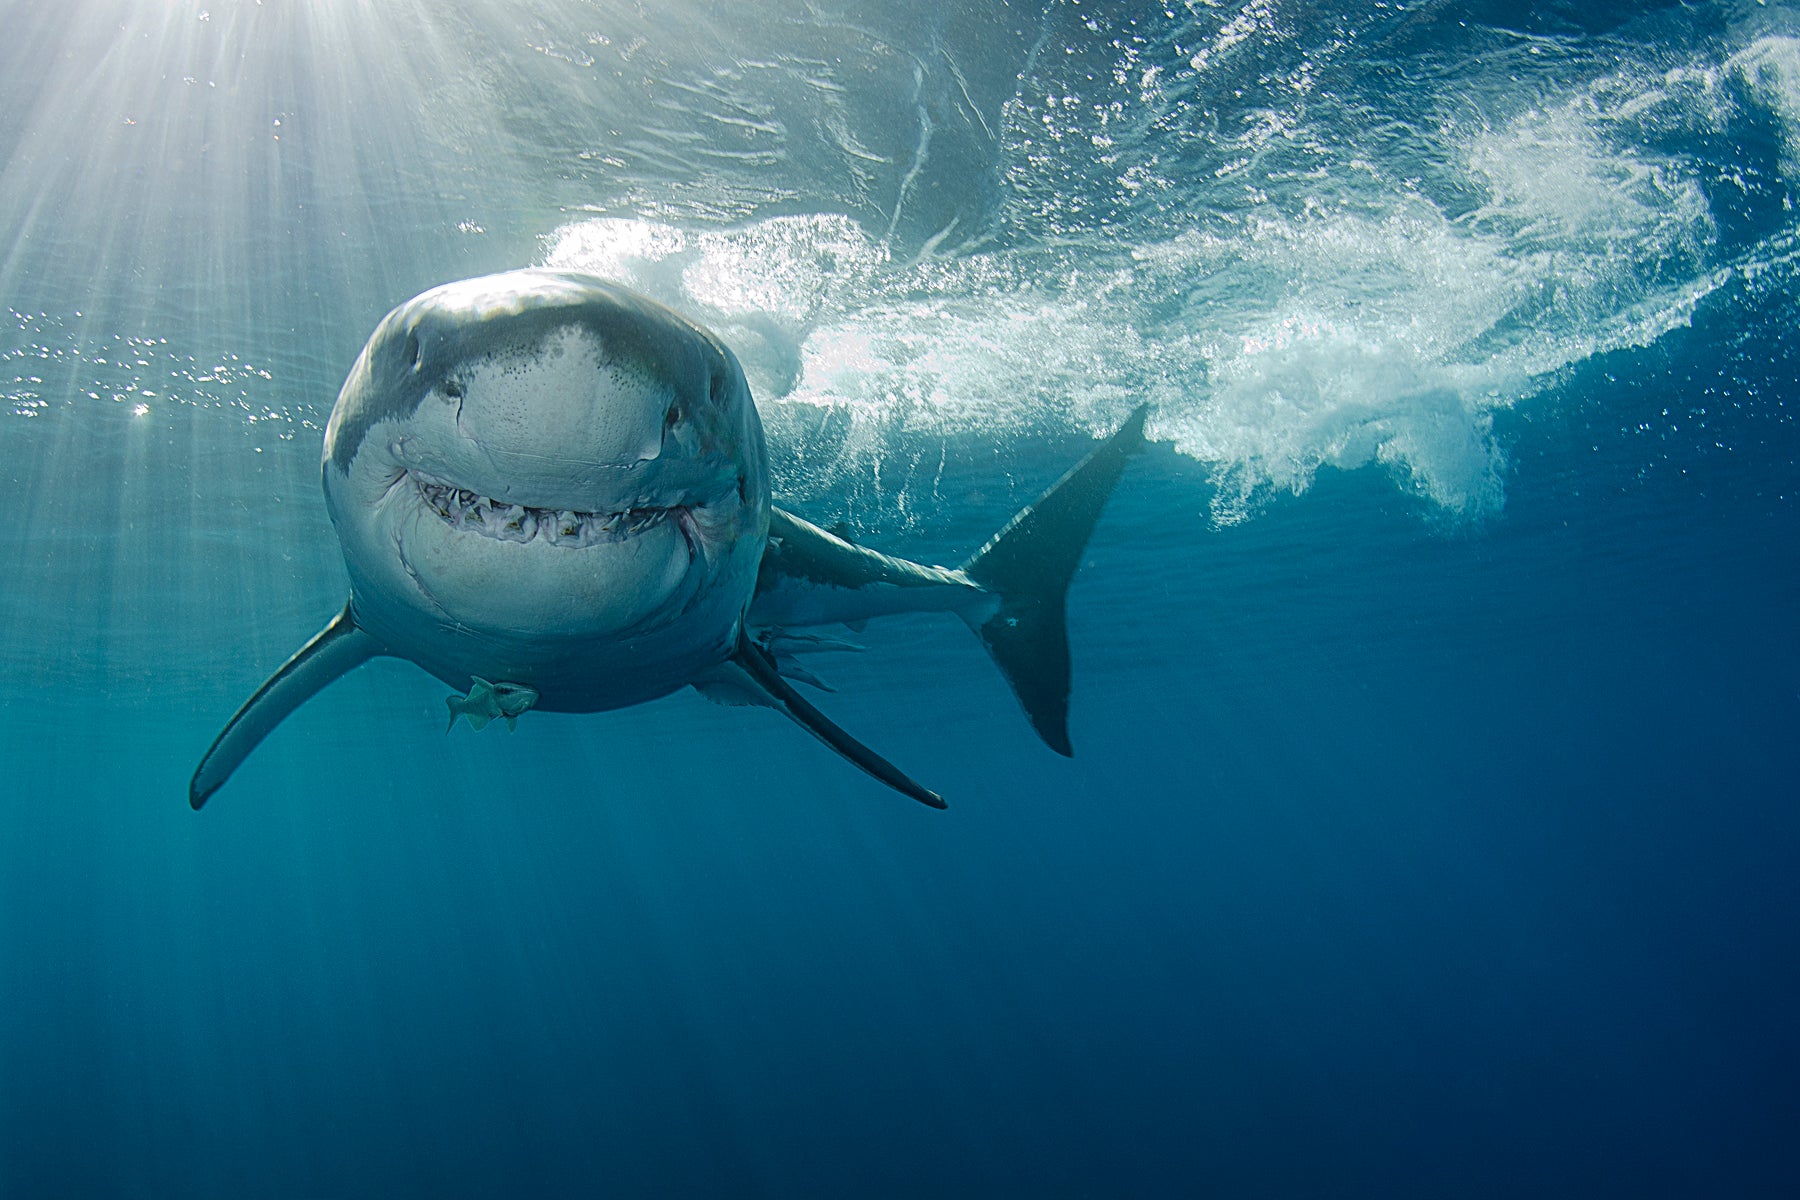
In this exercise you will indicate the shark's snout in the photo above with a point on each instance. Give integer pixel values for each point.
(564, 398)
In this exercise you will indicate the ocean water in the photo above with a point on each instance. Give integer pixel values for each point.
(1433, 824)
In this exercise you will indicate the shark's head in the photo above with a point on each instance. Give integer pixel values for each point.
(546, 459)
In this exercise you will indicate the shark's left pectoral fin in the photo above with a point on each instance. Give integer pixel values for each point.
(340, 646)
(759, 667)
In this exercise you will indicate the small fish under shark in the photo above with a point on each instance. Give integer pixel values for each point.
(553, 493)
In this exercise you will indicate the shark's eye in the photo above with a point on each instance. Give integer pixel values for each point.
(453, 390)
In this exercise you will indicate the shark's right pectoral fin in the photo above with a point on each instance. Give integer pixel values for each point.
(340, 646)
(766, 686)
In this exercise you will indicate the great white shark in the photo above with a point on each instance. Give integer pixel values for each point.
(553, 493)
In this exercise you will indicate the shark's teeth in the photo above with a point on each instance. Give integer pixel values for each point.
(465, 510)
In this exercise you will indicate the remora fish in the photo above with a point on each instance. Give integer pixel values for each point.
(554, 493)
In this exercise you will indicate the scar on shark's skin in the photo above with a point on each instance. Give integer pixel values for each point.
(553, 493)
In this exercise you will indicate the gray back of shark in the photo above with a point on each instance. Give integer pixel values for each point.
(552, 492)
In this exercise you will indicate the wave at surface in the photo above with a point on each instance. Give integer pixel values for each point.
(1361, 267)
(1293, 336)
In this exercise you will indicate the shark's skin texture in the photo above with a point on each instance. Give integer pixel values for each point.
(553, 493)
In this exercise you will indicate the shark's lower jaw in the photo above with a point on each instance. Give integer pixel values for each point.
(505, 521)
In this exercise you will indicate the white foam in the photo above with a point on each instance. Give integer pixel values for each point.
(613, 247)
(783, 268)
(1311, 395)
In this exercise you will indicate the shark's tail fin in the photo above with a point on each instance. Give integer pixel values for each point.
(1029, 563)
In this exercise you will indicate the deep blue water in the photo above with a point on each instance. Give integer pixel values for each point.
(1432, 829)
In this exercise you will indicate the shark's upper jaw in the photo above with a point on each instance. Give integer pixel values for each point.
(566, 528)
(488, 537)
(527, 549)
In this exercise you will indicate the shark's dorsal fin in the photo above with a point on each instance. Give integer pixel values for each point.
(757, 664)
(338, 647)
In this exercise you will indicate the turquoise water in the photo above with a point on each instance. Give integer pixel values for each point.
(1431, 827)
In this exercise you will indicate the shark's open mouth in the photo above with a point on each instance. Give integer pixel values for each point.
(465, 510)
